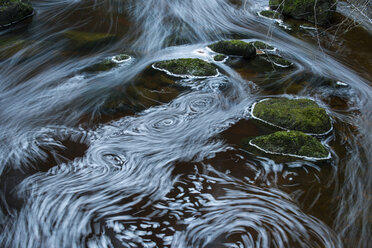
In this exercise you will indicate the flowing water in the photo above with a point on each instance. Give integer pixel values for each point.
(132, 157)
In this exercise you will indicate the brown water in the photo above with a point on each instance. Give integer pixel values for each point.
(132, 157)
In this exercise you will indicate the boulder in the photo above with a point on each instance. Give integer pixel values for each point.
(293, 114)
(187, 67)
(234, 47)
(291, 143)
(12, 11)
(316, 11)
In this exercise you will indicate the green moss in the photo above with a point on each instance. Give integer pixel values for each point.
(219, 57)
(13, 11)
(234, 47)
(291, 143)
(87, 39)
(262, 45)
(315, 11)
(271, 14)
(293, 114)
(277, 60)
(187, 66)
(121, 57)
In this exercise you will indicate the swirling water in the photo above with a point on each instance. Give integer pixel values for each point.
(130, 157)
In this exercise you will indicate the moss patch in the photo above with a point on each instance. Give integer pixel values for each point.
(293, 114)
(291, 143)
(277, 60)
(271, 14)
(187, 66)
(121, 57)
(219, 57)
(234, 47)
(13, 11)
(262, 45)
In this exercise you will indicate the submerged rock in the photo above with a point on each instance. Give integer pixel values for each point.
(293, 114)
(277, 60)
(315, 11)
(270, 14)
(234, 47)
(187, 67)
(87, 39)
(292, 143)
(12, 11)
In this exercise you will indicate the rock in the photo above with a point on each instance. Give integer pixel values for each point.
(88, 40)
(12, 11)
(292, 143)
(316, 11)
(219, 57)
(107, 64)
(186, 67)
(277, 60)
(262, 45)
(270, 14)
(234, 47)
(293, 114)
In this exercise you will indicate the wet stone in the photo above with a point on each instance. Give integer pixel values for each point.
(107, 64)
(292, 143)
(278, 60)
(234, 47)
(187, 67)
(262, 45)
(88, 40)
(293, 114)
(12, 11)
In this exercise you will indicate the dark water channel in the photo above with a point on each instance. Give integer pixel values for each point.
(132, 157)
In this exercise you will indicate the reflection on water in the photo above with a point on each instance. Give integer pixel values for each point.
(129, 156)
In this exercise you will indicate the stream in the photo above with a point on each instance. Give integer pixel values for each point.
(133, 157)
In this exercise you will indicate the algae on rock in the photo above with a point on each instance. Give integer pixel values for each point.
(292, 143)
(187, 67)
(12, 11)
(293, 114)
(234, 47)
(316, 11)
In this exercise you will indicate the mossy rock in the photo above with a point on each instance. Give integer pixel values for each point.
(277, 60)
(187, 67)
(293, 114)
(315, 11)
(107, 64)
(219, 57)
(291, 143)
(262, 45)
(121, 58)
(88, 40)
(270, 14)
(234, 47)
(12, 11)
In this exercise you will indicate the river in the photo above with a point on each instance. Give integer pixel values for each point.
(132, 157)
